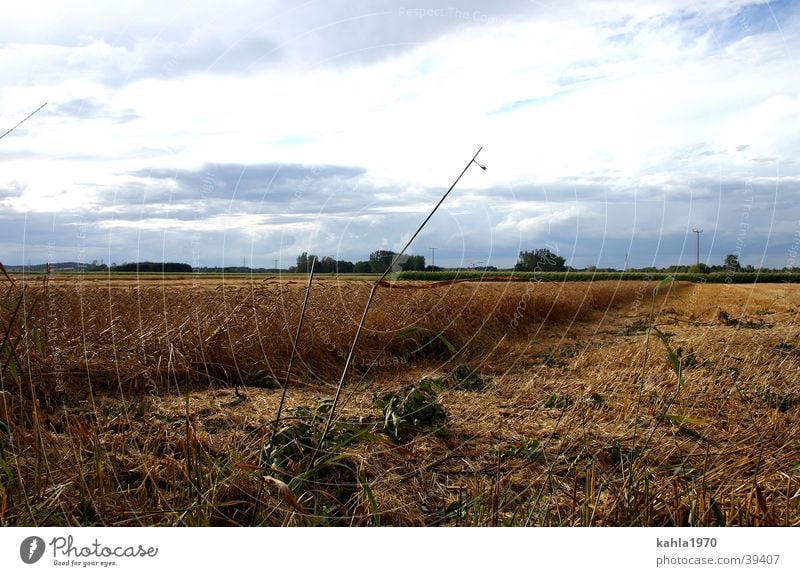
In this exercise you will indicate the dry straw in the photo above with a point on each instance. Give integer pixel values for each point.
(570, 431)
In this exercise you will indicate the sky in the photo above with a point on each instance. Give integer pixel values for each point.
(249, 132)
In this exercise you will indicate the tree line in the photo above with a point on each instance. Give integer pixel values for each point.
(379, 261)
(537, 260)
(152, 267)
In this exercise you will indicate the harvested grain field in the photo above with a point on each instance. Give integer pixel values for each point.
(131, 402)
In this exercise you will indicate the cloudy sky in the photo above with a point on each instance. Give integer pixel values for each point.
(220, 133)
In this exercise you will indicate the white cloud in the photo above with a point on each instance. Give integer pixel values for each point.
(612, 97)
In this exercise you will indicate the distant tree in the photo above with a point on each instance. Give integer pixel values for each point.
(304, 263)
(414, 263)
(344, 267)
(380, 260)
(153, 267)
(539, 260)
(732, 263)
(362, 267)
(326, 265)
(95, 267)
(699, 269)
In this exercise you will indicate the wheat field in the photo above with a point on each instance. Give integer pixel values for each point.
(131, 401)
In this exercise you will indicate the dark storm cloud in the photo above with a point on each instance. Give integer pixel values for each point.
(764, 192)
(273, 195)
(36, 238)
(250, 182)
(258, 189)
(592, 220)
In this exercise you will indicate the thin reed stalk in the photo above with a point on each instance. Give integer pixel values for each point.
(278, 412)
(354, 345)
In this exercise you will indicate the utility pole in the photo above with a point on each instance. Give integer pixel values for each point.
(276, 264)
(433, 259)
(698, 232)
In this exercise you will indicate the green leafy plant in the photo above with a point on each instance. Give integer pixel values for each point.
(463, 377)
(413, 409)
(596, 400)
(788, 349)
(686, 424)
(321, 480)
(558, 401)
(728, 320)
(688, 358)
(261, 379)
(527, 449)
(637, 326)
(426, 341)
(781, 401)
(552, 362)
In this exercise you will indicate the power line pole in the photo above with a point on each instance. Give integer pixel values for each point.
(433, 258)
(698, 232)
(276, 264)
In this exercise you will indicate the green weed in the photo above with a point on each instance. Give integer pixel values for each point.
(414, 409)
(463, 377)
